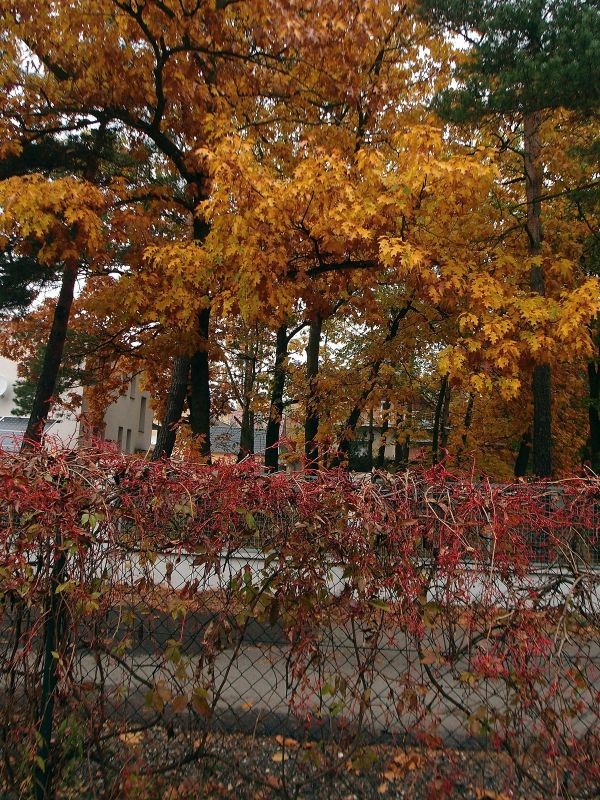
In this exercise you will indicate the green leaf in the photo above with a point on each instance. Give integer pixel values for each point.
(376, 603)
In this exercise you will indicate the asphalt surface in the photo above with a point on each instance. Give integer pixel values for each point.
(260, 689)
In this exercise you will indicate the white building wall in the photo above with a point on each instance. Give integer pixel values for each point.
(128, 420)
(8, 372)
(66, 425)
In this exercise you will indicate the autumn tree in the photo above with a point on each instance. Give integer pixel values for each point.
(187, 68)
(167, 54)
(60, 221)
(290, 173)
(526, 57)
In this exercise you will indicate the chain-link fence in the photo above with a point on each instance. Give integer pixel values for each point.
(158, 622)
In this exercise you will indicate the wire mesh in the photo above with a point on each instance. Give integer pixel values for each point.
(183, 606)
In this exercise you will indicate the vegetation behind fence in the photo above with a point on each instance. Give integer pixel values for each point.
(187, 602)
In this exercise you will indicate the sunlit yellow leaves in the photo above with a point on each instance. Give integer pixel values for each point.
(404, 257)
(61, 218)
(481, 383)
(468, 322)
(577, 308)
(509, 388)
(451, 361)
(534, 310)
(488, 290)
(271, 231)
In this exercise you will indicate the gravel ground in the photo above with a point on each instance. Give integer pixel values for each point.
(261, 768)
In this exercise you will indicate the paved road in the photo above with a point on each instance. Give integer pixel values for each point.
(258, 690)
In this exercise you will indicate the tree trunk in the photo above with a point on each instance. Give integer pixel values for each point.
(384, 429)
(60, 324)
(522, 459)
(199, 400)
(542, 421)
(247, 427)
(445, 421)
(311, 424)
(594, 415)
(181, 382)
(45, 764)
(438, 420)
(542, 378)
(44, 393)
(355, 414)
(276, 407)
(466, 427)
(370, 442)
(246, 433)
(165, 441)
(401, 449)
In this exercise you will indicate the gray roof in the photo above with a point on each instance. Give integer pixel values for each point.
(226, 439)
(17, 424)
(12, 430)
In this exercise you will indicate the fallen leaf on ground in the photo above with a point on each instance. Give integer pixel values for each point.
(401, 764)
(286, 741)
(131, 738)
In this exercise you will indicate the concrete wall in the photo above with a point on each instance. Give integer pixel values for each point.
(469, 585)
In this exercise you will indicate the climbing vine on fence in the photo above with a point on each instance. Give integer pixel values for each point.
(420, 608)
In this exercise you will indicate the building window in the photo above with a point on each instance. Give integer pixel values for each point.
(128, 441)
(142, 423)
(120, 437)
(132, 387)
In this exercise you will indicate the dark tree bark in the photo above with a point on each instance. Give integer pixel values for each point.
(401, 451)
(401, 448)
(44, 393)
(522, 459)
(246, 433)
(196, 387)
(247, 426)
(542, 421)
(445, 421)
(276, 408)
(165, 441)
(542, 378)
(355, 414)
(370, 441)
(199, 399)
(53, 632)
(593, 371)
(438, 420)
(466, 427)
(311, 424)
(384, 429)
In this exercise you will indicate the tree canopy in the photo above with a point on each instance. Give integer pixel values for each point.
(407, 192)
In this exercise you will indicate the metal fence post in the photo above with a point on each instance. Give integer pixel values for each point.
(43, 766)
